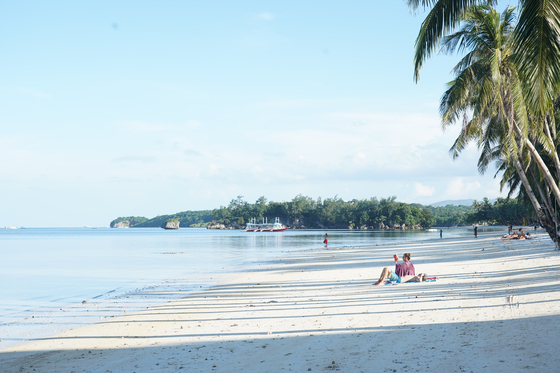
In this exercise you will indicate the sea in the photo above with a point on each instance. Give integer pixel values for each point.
(53, 279)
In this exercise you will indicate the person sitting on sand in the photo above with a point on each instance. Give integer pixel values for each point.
(393, 277)
(507, 237)
(401, 269)
(516, 236)
(406, 268)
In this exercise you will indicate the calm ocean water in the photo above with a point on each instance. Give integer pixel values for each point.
(46, 270)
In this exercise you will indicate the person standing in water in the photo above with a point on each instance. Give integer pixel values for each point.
(326, 241)
(441, 233)
(475, 232)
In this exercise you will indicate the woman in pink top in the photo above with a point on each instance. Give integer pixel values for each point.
(406, 268)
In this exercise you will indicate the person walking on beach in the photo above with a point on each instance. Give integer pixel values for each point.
(475, 232)
(326, 241)
(441, 233)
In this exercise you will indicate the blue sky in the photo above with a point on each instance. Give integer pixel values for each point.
(123, 108)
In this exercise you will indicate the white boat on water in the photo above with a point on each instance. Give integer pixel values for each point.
(265, 226)
(10, 227)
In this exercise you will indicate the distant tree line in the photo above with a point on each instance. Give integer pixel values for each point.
(335, 213)
(503, 211)
(451, 215)
(305, 212)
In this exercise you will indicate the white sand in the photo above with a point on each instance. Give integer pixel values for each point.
(495, 308)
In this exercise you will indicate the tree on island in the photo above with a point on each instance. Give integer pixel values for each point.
(131, 220)
(305, 212)
(356, 214)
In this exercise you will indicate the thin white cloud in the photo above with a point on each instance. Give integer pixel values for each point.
(458, 187)
(294, 104)
(192, 124)
(423, 190)
(273, 154)
(192, 153)
(142, 127)
(134, 158)
(146, 127)
(33, 92)
(213, 169)
(266, 15)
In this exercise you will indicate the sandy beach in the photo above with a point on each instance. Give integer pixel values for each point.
(494, 308)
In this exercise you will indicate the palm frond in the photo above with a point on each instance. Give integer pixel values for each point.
(444, 16)
(537, 47)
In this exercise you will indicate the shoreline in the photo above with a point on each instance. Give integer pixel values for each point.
(41, 319)
(493, 308)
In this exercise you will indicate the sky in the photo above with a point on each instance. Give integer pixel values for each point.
(145, 108)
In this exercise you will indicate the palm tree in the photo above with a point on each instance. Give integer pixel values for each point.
(523, 74)
(536, 39)
(535, 46)
(487, 95)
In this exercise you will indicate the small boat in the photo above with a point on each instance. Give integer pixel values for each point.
(10, 227)
(265, 226)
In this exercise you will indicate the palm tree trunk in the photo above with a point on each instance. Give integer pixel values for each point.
(550, 229)
(554, 153)
(538, 159)
(545, 197)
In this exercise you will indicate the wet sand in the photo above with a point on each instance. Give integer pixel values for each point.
(494, 308)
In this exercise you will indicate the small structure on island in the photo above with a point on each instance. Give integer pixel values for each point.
(171, 224)
(265, 226)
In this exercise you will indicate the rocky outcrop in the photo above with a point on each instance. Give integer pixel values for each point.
(231, 225)
(121, 224)
(223, 226)
(171, 224)
(215, 226)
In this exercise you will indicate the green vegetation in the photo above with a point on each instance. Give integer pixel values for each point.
(502, 212)
(133, 220)
(335, 213)
(187, 219)
(304, 212)
(450, 215)
(505, 93)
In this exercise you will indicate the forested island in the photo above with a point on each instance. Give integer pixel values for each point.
(186, 219)
(335, 213)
